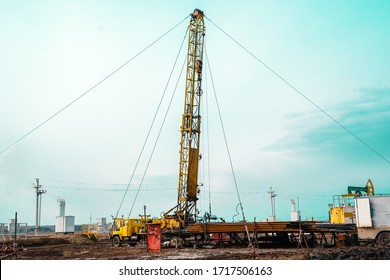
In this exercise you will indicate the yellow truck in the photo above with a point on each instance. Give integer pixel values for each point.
(133, 229)
(126, 229)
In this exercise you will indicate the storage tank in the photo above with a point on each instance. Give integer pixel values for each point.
(11, 225)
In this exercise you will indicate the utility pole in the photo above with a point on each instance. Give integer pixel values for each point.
(15, 234)
(16, 228)
(37, 212)
(272, 197)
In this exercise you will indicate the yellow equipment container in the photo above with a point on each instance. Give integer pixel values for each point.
(342, 215)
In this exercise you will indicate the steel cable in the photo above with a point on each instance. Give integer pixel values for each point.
(225, 138)
(90, 89)
(151, 125)
(158, 136)
(301, 94)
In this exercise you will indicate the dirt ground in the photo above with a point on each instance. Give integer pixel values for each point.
(77, 247)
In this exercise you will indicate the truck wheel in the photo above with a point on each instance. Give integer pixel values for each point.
(116, 241)
(384, 238)
(353, 239)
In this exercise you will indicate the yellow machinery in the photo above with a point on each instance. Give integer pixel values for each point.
(90, 231)
(357, 191)
(127, 229)
(342, 214)
(184, 212)
(342, 210)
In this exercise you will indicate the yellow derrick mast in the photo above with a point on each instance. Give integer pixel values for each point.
(185, 210)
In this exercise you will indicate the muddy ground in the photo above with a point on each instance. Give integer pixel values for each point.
(77, 247)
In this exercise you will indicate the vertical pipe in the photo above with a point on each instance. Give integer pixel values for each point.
(16, 227)
(36, 208)
(145, 228)
(145, 214)
(40, 209)
(274, 211)
(270, 195)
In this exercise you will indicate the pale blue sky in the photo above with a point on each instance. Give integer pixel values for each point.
(334, 52)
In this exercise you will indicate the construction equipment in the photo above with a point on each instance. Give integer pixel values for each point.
(134, 229)
(127, 229)
(90, 231)
(342, 211)
(185, 210)
(184, 213)
(357, 191)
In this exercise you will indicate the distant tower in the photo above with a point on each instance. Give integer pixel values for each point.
(272, 218)
(295, 215)
(62, 207)
(64, 224)
(38, 205)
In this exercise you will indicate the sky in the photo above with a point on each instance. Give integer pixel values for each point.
(334, 53)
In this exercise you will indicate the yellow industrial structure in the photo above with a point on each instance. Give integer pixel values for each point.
(342, 211)
(184, 213)
(185, 210)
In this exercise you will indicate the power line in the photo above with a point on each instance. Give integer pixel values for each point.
(158, 136)
(208, 137)
(301, 94)
(225, 138)
(152, 123)
(97, 184)
(90, 89)
(104, 189)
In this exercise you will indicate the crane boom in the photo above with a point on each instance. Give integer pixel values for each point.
(190, 126)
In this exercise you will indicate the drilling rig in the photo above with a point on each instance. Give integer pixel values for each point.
(184, 213)
(185, 210)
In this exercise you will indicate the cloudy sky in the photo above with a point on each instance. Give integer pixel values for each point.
(335, 53)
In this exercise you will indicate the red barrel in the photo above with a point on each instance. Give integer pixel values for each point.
(154, 237)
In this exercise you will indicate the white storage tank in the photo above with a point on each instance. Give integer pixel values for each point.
(296, 216)
(11, 225)
(65, 224)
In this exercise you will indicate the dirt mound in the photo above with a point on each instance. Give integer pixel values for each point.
(354, 253)
(42, 241)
